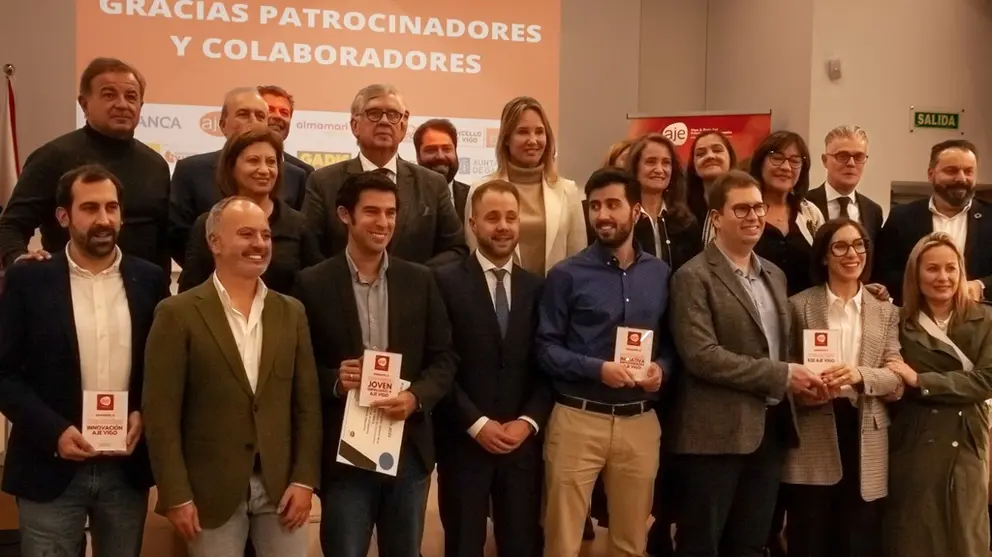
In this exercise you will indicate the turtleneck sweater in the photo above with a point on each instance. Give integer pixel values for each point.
(533, 230)
(143, 173)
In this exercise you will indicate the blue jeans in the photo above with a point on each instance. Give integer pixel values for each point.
(354, 501)
(99, 491)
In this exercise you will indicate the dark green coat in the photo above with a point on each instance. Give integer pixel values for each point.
(939, 443)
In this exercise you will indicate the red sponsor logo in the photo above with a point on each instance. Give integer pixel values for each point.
(820, 340)
(382, 363)
(633, 339)
(105, 402)
(492, 137)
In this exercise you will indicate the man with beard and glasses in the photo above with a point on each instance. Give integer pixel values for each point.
(71, 326)
(487, 429)
(111, 95)
(281, 108)
(953, 209)
(604, 420)
(232, 403)
(436, 143)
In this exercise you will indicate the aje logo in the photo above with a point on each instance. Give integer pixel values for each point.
(105, 402)
(210, 124)
(633, 339)
(677, 133)
(320, 159)
(820, 340)
(382, 363)
(492, 136)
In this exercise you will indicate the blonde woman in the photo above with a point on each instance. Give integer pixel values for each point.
(552, 225)
(939, 437)
(617, 157)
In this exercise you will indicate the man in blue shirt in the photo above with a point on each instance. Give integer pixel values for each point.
(604, 418)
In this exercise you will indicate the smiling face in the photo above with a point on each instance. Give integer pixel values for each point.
(740, 230)
(242, 241)
(495, 222)
(654, 169)
(256, 170)
(372, 222)
(528, 140)
(612, 215)
(954, 177)
(850, 264)
(940, 274)
(711, 157)
(781, 169)
(94, 219)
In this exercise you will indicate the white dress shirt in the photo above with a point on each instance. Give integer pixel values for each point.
(487, 268)
(451, 191)
(247, 330)
(846, 318)
(956, 226)
(655, 230)
(103, 326)
(369, 166)
(833, 206)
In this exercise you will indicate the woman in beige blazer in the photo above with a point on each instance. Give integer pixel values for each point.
(552, 226)
(833, 483)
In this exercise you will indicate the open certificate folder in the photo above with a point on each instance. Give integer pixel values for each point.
(369, 439)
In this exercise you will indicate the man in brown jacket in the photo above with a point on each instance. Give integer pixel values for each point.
(232, 403)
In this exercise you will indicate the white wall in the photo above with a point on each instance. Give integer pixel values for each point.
(672, 56)
(898, 53)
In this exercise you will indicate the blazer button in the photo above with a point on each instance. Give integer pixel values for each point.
(933, 410)
(255, 407)
(954, 444)
(249, 447)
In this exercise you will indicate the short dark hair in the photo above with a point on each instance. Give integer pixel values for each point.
(608, 176)
(821, 248)
(355, 184)
(86, 174)
(436, 124)
(233, 148)
(938, 149)
(732, 180)
(498, 186)
(778, 142)
(100, 66)
(277, 91)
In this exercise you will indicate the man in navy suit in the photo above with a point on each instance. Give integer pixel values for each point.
(487, 428)
(71, 324)
(194, 190)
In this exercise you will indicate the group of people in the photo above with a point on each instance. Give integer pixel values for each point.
(507, 300)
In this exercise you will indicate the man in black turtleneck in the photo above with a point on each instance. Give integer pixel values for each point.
(111, 94)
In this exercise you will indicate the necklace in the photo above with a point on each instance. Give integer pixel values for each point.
(942, 323)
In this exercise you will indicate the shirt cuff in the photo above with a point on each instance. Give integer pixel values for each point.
(190, 502)
(304, 486)
(532, 423)
(335, 389)
(477, 427)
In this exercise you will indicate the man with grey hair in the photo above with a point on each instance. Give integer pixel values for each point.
(194, 189)
(428, 230)
(230, 378)
(844, 157)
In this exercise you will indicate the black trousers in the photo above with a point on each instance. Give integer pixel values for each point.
(835, 521)
(728, 500)
(512, 483)
(667, 501)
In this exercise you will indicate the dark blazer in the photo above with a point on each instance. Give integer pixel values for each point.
(686, 242)
(306, 168)
(497, 378)
(460, 194)
(909, 223)
(870, 213)
(40, 378)
(418, 329)
(194, 192)
(428, 230)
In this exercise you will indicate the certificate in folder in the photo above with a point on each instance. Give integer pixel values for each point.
(369, 439)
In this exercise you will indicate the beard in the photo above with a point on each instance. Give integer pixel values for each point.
(955, 194)
(447, 168)
(98, 241)
(616, 238)
(488, 246)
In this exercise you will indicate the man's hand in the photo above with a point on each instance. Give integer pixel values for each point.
(135, 428)
(72, 446)
(294, 508)
(652, 382)
(34, 255)
(906, 373)
(349, 376)
(517, 431)
(976, 290)
(878, 291)
(802, 379)
(494, 438)
(399, 407)
(841, 374)
(614, 375)
(812, 398)
(185, 520)
(896, 394)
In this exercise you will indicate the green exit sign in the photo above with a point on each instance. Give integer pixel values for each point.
(937, 120)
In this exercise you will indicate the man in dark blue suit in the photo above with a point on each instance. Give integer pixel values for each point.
(488, 428)
(76, 323)
(194, 190)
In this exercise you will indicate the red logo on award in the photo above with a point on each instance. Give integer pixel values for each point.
(633, 339)
(382, 363)
(105, 402)
(820, 339)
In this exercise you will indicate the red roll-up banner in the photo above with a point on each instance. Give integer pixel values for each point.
(745, 130)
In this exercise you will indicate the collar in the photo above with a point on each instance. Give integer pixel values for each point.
(603, 254)
(369, 166)
(833, 194)
(857, 299)
(488, 265)
(933, 209)
(354, 268)
(225, 297)
(756, 269)
(114, 269)
(664, 211)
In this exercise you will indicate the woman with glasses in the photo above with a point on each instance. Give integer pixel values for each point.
(939, 441)
(552, 224)
(712, 155)
(833, 483)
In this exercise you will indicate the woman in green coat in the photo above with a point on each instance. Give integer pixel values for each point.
(938, 439)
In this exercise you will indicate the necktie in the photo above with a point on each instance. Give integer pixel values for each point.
(844, 202)
(501, 301)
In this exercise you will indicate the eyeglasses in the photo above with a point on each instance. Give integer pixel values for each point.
(844, 157)
(778, 159)
(376, 114)
(840, 249)
(743, 210)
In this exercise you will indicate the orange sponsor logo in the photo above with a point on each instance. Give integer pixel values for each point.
(492, 136)
(210, 124)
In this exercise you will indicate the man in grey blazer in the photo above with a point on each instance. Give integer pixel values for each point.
(428, 231)
(733, 421)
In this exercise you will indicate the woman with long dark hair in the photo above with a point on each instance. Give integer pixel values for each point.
(711, 156)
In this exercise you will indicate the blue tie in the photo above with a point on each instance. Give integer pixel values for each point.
(501, 302)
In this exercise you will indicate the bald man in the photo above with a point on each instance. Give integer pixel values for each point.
(193, 189)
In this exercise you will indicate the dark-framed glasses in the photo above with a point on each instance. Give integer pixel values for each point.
(844, 157)
(742, 210)
(778, 159)
(376, 114)
(840, 249)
